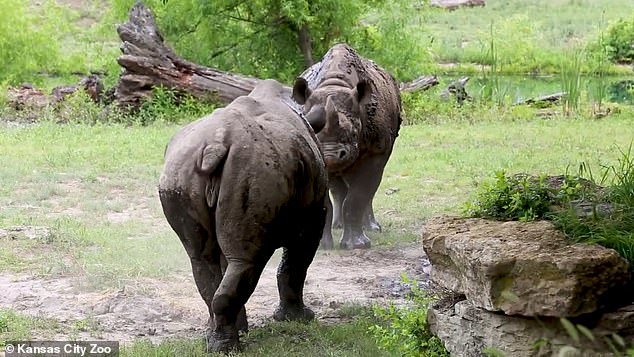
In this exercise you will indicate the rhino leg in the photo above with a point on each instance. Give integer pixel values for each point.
(201, 247)
(326, 238)
(291, 276)
(239, 282)
(339, 190)
(241, 323)
(364, 180)
(369, 221)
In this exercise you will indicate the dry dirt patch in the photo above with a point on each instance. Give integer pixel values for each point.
(159, 309)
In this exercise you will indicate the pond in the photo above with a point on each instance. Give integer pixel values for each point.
(619, 89)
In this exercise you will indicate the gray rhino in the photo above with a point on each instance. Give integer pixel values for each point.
(237, 185)
(355, 106)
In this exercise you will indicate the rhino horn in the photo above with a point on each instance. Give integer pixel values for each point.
(332, 116)
(301, 92)
(317, 118)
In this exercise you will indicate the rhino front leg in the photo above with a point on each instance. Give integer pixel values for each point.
(364, 180)
(291, 276)
(339, 190)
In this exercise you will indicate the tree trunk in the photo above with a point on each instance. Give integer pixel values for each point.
(305, 46)
(148, 62)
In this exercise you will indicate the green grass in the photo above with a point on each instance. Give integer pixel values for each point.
(279, 339)
(532, 36)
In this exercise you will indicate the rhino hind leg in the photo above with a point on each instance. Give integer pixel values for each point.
(369, 221)
(291, 276)
(364, 180)
(201, 247)
(326, 238)
(238, 283)
(338, 190)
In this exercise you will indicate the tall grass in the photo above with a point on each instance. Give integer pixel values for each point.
(570, 74)
(492, 90)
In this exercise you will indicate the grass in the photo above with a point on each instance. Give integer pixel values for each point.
(95, 186)
(532, 36)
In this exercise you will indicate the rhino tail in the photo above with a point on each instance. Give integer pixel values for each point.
(211, 161)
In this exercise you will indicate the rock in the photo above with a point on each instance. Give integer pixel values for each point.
(467, 330)
(43, 234)
(522, 268)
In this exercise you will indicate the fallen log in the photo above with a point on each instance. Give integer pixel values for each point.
(543, 100)
(420, 83)
(454, 4)
(148, 63)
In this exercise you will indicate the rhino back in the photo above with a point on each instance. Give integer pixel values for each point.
(272, 161)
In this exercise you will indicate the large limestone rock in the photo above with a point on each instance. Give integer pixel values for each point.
(467, 330)
(521, 268)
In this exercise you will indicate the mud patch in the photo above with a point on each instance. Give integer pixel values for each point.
(171, 307)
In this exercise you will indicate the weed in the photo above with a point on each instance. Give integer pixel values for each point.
(404, 330)
(520, 197)
(571, 82)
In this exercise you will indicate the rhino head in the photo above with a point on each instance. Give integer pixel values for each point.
(335, 112)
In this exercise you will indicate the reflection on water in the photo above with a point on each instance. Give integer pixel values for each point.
(517, 88)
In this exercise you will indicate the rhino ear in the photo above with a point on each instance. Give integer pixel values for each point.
(301, 92)
(364, 91)
(317, 118)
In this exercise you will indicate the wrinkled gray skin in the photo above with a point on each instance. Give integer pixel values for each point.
(355, 106)
(237, 185)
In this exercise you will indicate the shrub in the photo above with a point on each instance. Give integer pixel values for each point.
(30, 42)
(521, 197)
(406, 332)
(619, 41)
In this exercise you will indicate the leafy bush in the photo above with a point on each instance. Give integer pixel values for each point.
(520, 197)
(620, 41)
(30, 42)
(406, 332)
(613, 228)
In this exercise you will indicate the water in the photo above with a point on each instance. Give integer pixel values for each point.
(616, 89)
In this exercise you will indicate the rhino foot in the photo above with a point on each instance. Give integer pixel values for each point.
(326, 243)
(300, 313)
(241, 322)
(221, 342)
(372, 226)
(361, 242)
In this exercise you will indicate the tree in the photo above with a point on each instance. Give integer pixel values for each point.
(261, 38)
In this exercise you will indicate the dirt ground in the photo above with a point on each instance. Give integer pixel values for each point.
(160, 309)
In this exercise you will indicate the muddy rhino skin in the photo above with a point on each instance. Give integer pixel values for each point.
(356, 108)
(237, 185)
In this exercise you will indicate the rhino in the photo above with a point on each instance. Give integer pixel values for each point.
(355, 107)
(236, 185)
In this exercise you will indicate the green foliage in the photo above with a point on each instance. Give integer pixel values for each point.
(520, 197)
(620, 40)
(391, 36)
(582, 336)
(172, 107)
(611, 227)
(260, 38)
(405, 331)
(571, 81)
(29, 43)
